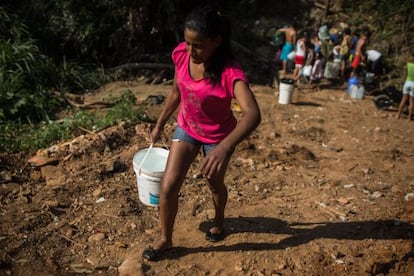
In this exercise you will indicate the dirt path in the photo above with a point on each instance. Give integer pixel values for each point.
(321, 188)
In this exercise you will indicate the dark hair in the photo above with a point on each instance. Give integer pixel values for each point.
(207, 21)
(347, 31)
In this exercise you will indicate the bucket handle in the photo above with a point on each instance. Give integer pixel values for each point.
(145, 157)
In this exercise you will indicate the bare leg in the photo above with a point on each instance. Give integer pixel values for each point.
(180, 158)
(401, 106)
(219, 194)
(410, 108)
(296, 72)
(284, 67)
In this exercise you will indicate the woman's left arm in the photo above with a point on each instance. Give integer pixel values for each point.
(245, 126)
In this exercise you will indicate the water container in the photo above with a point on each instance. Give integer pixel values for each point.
(307, 70)
(323, 32)
(369, 78)
(356, 91)
(291, 56)
(149, 166)
(286, 88)
(332, 70)
(351, 81)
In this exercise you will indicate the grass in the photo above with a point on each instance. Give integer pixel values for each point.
(18, 137)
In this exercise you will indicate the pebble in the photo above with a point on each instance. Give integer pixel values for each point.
(409, 197)
(343, 200)
(349, 186)
(376, 194)
(101, 199)
(132, 266)
(239, 268)
(51, 203)
(96, 237)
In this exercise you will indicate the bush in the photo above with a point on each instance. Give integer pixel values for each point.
(19, 136)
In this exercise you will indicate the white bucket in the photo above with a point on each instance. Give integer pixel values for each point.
(286, 91)
(149, 166)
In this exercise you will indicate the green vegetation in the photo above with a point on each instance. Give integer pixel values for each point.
(28, 137)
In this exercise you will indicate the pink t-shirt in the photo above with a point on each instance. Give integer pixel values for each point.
(205, 110)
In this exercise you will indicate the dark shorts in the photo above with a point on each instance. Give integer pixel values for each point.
(181, 135)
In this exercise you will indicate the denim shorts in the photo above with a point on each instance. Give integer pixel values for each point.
(408, 88)
(181, 135)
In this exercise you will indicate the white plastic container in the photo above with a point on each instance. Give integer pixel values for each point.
(291, 55)
(332, 70)
(286, 88)
(356, 91)
(149, 166)
(369, 78)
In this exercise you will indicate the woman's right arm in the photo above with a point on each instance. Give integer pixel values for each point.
(171, 104)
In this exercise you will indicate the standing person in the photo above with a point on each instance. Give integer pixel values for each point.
(316, 73)
(354, 42)
(344, 50)
(316, 43)
(288, 47)
(374, 61)
(300, 55)
(359, 52)
(408, 90)
(323, 35)
(206, 80)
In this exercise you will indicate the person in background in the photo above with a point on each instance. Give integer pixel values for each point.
(323, 36)
(359, 52)
(354, 42)
(316, 73)
(316, 43)
(207, 78)
(344, 50)
(408, 90)
(288, 47)
(306, 70)
(374, 61)
(300, 55)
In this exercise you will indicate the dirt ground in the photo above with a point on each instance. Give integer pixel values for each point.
(324, 186)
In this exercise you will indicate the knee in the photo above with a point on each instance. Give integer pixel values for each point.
(170, 190)
(217, 188)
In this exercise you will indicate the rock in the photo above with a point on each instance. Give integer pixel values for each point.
(376, 194)
(52, 175)
(239, 267)
(51, 203)
(96, 237)
(409, 197)
(343, 200)
(210, 213)
(93, 260)
(131, 266)
(97, 192)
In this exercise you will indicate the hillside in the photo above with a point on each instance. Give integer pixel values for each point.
(323, 187)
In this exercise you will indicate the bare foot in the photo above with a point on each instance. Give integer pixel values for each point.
(216, 230)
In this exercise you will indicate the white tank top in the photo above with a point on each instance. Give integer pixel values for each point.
(299, 50)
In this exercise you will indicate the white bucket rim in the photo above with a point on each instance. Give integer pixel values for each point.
(137, 159)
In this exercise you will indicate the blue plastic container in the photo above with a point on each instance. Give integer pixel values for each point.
(351, 81)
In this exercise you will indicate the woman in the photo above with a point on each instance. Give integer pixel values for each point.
(408, 90)
(206, 80)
